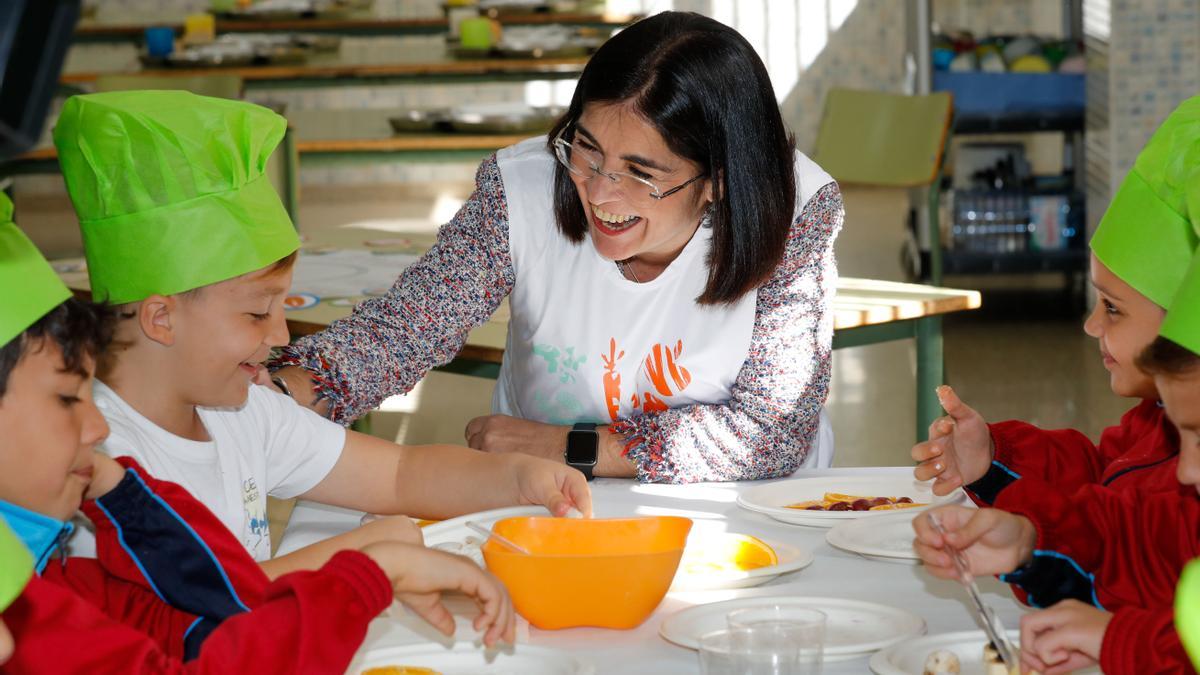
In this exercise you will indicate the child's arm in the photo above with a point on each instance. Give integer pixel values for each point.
(398, 529)
(154, 534)
(310, 622)
(1064, 638)
(1105, 547)
(1072, 635)
(420, 575)
(964, 450)
(443, 481)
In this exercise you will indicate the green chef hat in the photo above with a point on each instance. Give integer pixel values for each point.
(28, 287)
(1187, 611)
(171, 190)
(1182, 323)
(16, 566)
(1149, 231)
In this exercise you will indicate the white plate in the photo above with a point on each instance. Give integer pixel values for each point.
(886, 538)
(454, 536)
(469, 660)
(908, 658)
(791, 558)
(771, 498)
(854, 627)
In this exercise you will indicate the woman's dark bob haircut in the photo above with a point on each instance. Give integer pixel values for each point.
(702, 87)
(1168, 358)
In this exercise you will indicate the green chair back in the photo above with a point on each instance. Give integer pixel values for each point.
(876, 138)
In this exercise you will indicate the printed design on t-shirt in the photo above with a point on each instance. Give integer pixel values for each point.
(665, 373)
(569, 362)
(612, 380)
(565, 407)
(257, 527)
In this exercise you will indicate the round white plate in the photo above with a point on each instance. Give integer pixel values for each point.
(886, 538)
(854, 627)
(469, 660)
(454, 536)
(908, 658)
(791, 558)
(770, 499)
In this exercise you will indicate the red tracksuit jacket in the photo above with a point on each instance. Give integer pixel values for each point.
(1056, 478)
(1120, 550)
(172, 591)
(1139, 453)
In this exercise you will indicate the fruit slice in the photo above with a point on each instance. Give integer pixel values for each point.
(726, 552)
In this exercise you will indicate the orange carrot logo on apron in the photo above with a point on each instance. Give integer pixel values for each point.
(612, 380)
(667, 376)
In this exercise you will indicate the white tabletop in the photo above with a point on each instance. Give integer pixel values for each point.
(835, 573)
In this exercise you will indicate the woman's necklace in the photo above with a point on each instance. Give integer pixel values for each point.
(627, 271)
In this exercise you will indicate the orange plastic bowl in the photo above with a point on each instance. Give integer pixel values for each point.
(608, 573)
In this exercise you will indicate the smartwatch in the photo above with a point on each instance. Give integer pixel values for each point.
(583, 448)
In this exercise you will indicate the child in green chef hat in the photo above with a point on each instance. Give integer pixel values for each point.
(171, 589)
(185, 234)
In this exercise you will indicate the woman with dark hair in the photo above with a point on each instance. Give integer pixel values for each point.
(668, 259)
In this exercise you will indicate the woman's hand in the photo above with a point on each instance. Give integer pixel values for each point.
(1063, 638)
(993, 541)
(502, 433)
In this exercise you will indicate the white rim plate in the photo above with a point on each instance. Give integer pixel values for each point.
(469, 660)
(456, 530)
(908, 658)
(854, 628)
(887, 538)
(770, 499)
(791, 559)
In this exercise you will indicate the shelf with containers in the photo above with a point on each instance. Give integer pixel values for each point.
(1023, 224)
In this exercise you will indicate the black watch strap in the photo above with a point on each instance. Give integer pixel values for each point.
(583, 449)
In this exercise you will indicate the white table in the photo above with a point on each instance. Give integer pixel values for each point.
(835, 573)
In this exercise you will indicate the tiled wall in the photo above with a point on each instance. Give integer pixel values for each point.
(1000, 17)
(1143, 59)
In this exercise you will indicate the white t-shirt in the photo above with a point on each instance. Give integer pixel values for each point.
(269, 446)
(587, 344)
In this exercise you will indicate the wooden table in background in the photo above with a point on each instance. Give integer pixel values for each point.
(865, 312)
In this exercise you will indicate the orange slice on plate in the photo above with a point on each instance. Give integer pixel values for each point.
(726, 552)
(831, 497)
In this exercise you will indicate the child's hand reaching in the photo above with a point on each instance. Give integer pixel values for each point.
(1063, 638)
(993, 541)
(554, 485)
(959, 449)
(420, 575)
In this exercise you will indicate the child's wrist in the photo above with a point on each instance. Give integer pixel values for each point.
(1027, 542)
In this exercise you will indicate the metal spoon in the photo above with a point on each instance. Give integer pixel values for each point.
(991, 623)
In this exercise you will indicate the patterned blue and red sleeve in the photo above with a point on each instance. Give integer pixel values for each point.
(388, 344)
(770, 421)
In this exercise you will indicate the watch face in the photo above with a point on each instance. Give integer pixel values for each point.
(581, 447)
